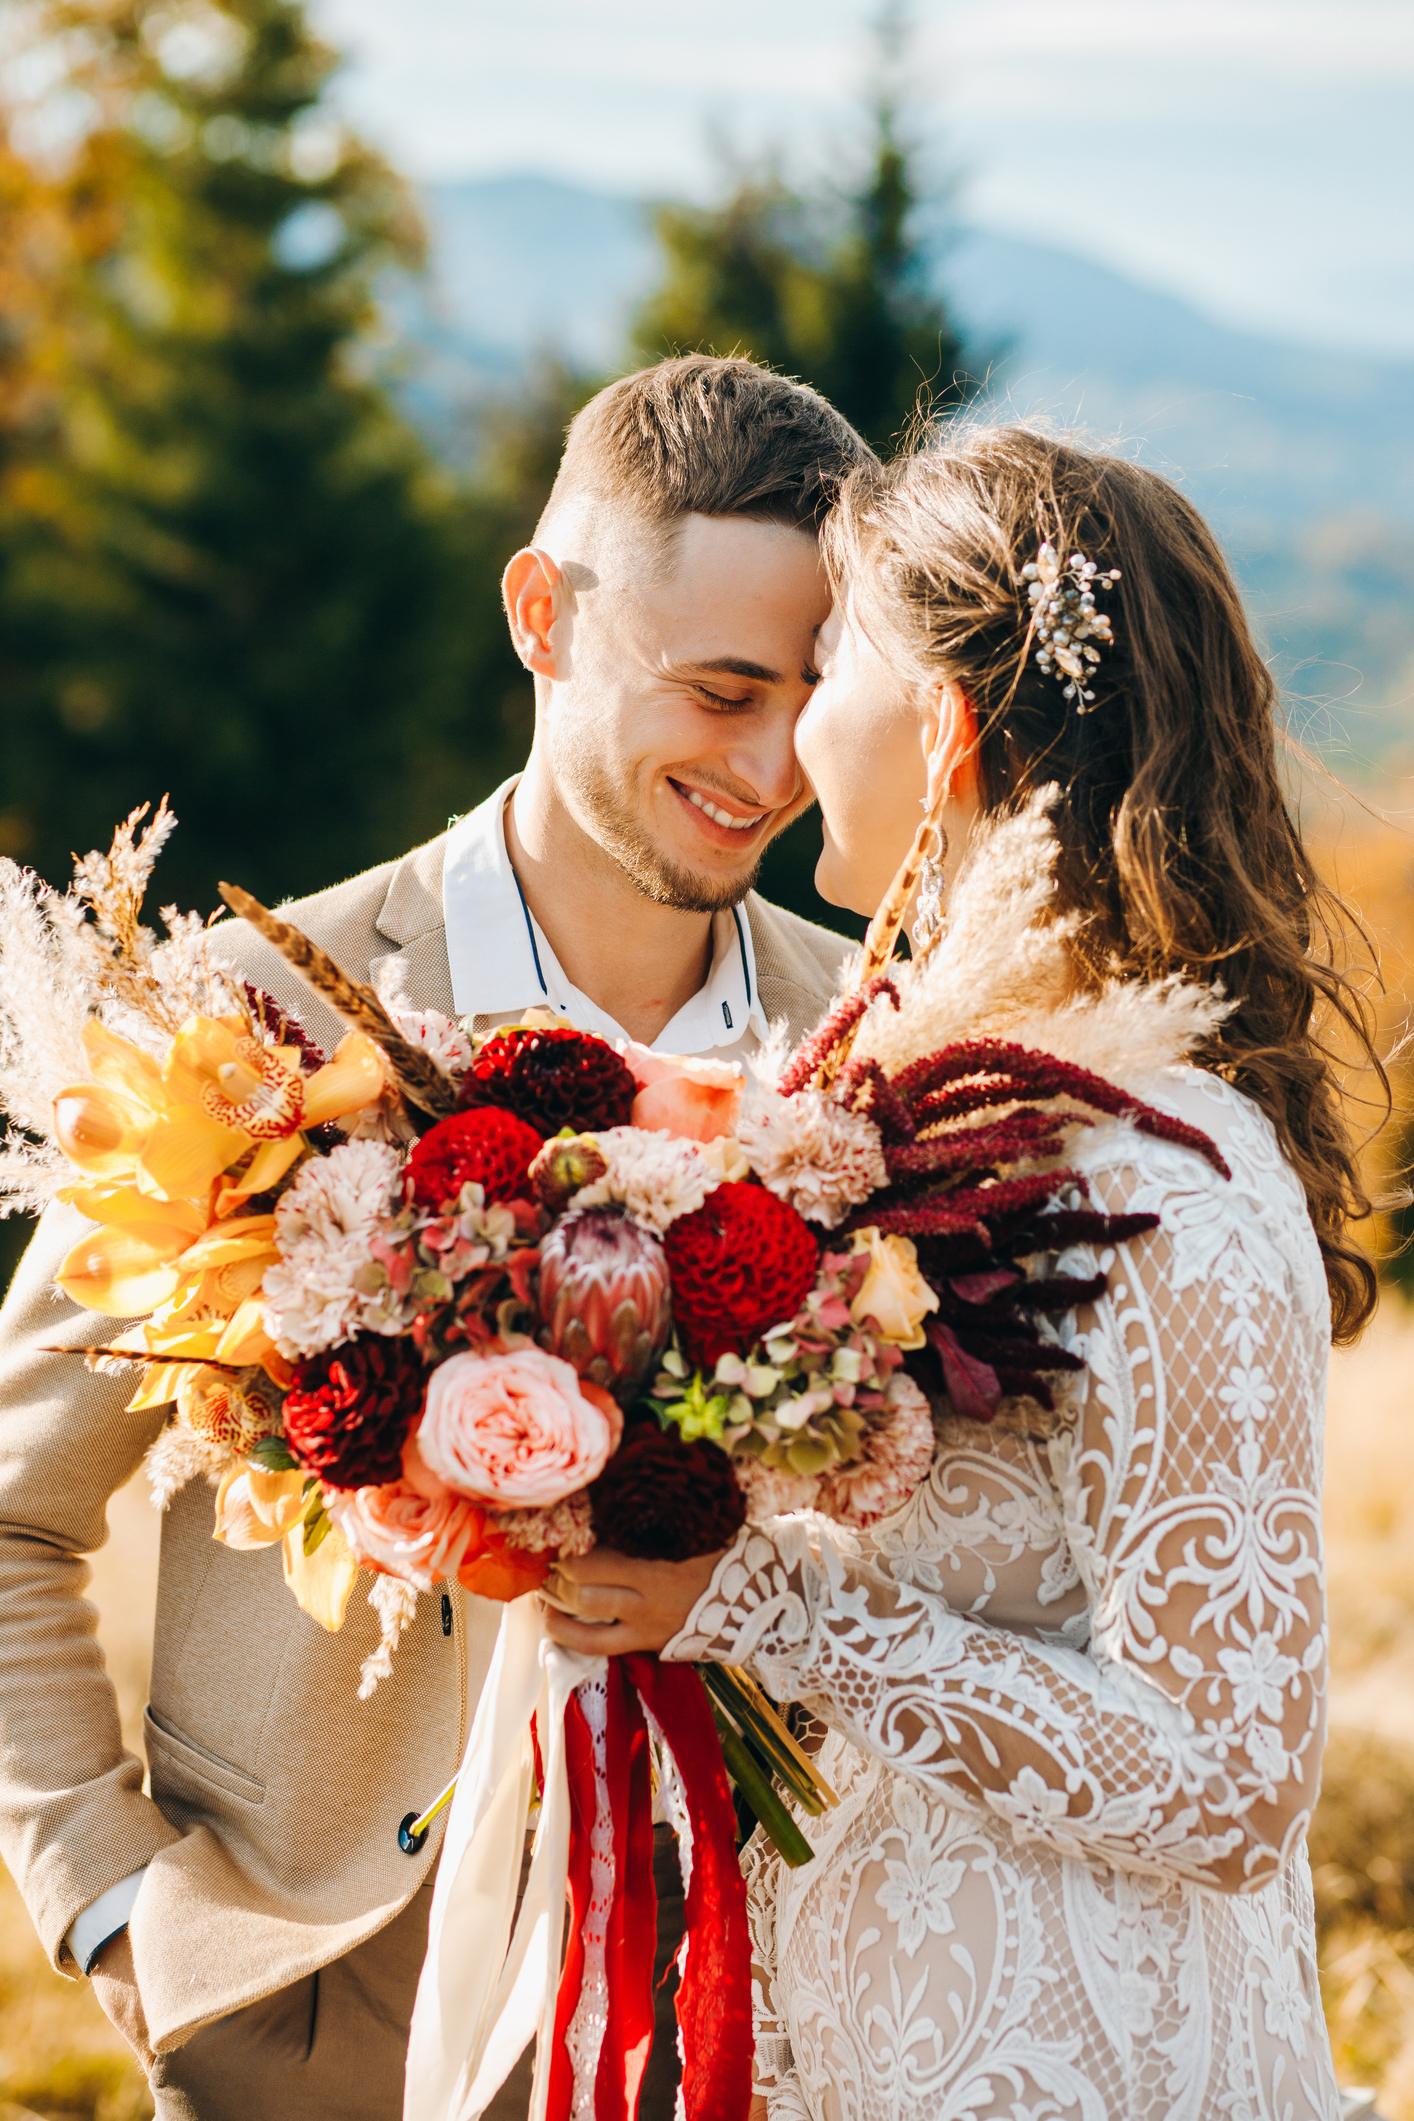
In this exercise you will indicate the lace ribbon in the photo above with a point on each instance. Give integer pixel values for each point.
(484, 1992)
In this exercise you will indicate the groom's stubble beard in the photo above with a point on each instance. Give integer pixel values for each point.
(582, 772)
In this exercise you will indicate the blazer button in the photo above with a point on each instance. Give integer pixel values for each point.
(411, 1843)
(446, 1612)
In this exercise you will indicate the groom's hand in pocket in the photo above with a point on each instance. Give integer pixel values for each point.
(115, 1985)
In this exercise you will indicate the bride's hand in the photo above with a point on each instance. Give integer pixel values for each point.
(604, 1604)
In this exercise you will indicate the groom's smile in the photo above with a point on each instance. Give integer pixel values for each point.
(718, 815)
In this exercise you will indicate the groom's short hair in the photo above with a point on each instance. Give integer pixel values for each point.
(701, 435)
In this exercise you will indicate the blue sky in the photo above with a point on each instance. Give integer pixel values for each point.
(1254, 156)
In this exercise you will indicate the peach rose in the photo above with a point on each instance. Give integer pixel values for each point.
(696, 1099)
(416, 1527)
(516, 1431)
(893, 1297)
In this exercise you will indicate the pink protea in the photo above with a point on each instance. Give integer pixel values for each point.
(603, 1296)
(898, 1450)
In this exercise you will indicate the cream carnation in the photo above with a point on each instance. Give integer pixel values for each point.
(323, 1226)
(656, 1177)
(812, 1151)
(516, 1431)
(898, 1450)
(438, 1035)
(565, 1529)
(773, 1491)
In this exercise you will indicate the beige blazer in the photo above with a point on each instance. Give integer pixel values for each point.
(270, 1833)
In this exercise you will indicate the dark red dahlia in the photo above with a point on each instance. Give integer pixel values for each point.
(349, 1410)
(741, 1262)
(660, 1499)
(552, 1079)
(490, 1147)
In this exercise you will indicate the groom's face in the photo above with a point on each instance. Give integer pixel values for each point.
(672, 735)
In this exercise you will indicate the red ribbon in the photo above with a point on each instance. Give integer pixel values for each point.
(714, 1995)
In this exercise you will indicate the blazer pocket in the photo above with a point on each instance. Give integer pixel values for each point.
(175, 1760)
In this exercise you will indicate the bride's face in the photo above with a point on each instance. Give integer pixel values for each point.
(864, 743)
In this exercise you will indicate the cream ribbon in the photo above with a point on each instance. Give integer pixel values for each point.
(483, 1993)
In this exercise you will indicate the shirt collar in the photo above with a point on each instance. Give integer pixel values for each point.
(502, 963)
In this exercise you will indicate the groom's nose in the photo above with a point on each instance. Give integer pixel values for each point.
(761, 755)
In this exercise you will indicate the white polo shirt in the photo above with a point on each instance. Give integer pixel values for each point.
(502, 964)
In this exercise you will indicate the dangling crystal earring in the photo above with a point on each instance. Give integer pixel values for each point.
(928, 920)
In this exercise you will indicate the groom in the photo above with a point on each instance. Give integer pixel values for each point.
(253, 1926)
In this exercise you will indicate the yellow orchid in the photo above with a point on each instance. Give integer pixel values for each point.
(168, 1156)
(255, 1508)
(322, 1581)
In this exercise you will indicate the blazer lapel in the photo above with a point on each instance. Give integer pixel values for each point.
(416, 969)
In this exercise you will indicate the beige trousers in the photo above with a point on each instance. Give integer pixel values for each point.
(332, 2047)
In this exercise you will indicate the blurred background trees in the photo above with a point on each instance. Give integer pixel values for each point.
(230, 566)
(224, 559)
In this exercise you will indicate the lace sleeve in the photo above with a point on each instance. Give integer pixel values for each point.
(1186, 1741)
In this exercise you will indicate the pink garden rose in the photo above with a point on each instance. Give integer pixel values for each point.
(516, 1431)
(696, 1099)
(416, 1527)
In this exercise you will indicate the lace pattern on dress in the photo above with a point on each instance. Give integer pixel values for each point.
(1075, 1691)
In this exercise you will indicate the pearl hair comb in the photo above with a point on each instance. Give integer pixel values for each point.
(1064, 621)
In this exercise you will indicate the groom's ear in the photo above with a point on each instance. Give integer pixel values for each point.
(539, 606)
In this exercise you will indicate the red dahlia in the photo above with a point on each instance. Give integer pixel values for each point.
(741, 1262)
(492, 1148)
(349, 1411)
(660, 1499)
(552, 1079)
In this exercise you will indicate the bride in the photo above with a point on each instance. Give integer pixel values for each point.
(1071, 1696)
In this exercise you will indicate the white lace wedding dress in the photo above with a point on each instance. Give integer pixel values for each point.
(1074, 1698)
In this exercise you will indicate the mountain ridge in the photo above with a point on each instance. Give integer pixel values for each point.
(1303, 459)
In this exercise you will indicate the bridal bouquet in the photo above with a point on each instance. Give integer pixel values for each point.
(432, 1307)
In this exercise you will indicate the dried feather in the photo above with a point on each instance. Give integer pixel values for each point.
(1003, 966)
(181, 1455)
(394, 1602)
(46, 994)
(416, 1074)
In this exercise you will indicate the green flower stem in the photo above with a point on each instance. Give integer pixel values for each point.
(764, 1743)
(755, 1786)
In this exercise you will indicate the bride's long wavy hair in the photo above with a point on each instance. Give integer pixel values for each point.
(1178, 843)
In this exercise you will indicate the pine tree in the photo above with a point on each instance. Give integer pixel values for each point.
(227, 568)
(834, 291)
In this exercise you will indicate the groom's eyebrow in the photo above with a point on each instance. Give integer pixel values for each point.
(738, 666)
